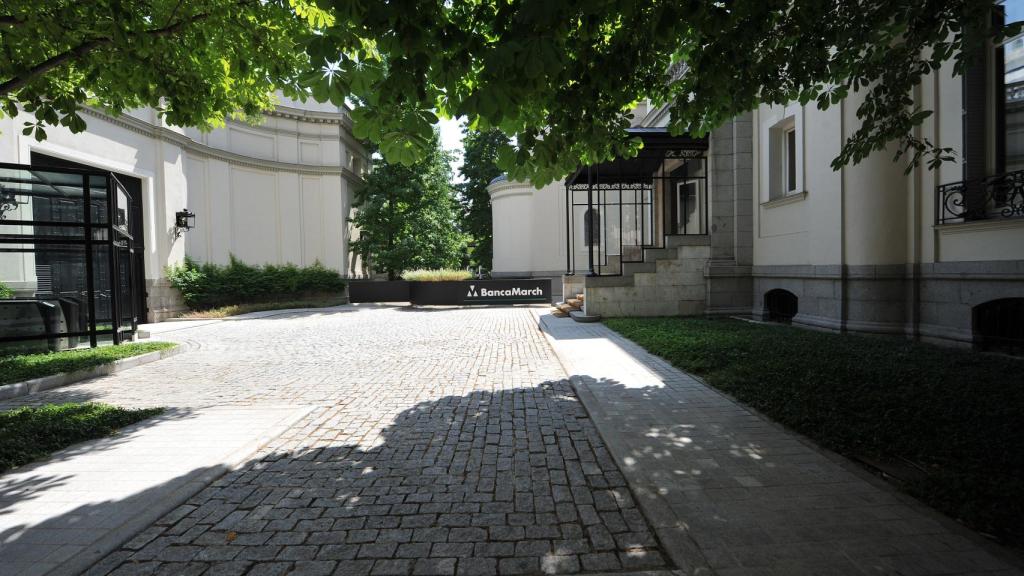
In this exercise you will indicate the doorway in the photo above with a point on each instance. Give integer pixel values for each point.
(131, 253)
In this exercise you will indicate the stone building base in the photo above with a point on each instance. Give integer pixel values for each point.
(933, 302)
(163, 300)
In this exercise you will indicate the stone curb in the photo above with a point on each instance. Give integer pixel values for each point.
(686, 553)
(259, 314)
(14, 390)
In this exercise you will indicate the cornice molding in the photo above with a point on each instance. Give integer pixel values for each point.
(199, 149)
(506, 188)
(342, 118)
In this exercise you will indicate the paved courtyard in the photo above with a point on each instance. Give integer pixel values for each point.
(440, 441)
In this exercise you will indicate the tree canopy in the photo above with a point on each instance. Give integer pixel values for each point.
(408, 215)
(479, 167)
(560, 76)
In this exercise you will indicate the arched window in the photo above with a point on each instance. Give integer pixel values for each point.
(780, 305)
(999, 325)
(592, 227)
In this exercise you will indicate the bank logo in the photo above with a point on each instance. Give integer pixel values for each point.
(515, 292)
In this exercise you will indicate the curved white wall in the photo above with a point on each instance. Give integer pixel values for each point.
(278, 192)
(529, 228)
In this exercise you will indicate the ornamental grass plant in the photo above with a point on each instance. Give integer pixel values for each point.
(440, 275)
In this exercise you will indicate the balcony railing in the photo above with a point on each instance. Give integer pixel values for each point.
(995, 197)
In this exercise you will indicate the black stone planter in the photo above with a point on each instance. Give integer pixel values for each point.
(481, 292)
(458, 293)
(378, 291)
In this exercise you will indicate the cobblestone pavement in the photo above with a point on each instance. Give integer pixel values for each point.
(443, 441)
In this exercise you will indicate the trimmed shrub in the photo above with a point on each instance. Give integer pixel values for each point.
(442, 275)
(209, 285)
(6, 291)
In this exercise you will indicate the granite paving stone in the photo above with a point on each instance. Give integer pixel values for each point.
(434, 444)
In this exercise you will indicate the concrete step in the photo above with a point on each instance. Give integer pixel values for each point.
(579, 316)
(652, 254)
(677, 240)
(634, 267)
(605, 281)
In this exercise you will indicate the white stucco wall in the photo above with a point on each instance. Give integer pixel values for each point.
(275, 193)
(529, 228)
(871, 213)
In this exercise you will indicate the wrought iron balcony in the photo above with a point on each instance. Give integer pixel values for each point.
(995, 197)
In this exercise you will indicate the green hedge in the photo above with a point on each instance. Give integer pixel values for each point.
(210, 285)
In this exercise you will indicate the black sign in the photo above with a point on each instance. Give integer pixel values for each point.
(526, 291)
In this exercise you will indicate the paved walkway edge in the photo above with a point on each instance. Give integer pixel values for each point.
(684, 551)
(8, 391)
(177, 494)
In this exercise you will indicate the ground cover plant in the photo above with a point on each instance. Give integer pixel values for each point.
(236, 309)
(951, 418)
(205, 286)
(441, 275)
(21, 367)
(31, 433)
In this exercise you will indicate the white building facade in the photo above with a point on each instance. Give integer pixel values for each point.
(933, 254)
(278, 192)
(774, 231)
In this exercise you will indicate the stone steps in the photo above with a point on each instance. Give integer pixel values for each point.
(565, 309)
(668, 282)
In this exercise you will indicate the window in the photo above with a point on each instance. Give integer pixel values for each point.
(999, 325)
(784, 159)
(994, 102)
(790, 153)
(780, 305)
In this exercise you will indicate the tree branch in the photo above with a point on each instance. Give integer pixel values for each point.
(84, 48)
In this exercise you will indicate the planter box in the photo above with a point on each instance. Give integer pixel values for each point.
(481, 292)
(378, 291)
(457, 293)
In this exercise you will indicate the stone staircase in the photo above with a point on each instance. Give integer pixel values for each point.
(669, 281)
(573, 308)
(564, 309)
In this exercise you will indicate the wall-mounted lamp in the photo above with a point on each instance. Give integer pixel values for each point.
(8, 202)
(184, 221)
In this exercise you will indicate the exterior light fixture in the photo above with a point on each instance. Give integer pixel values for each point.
(8, 202)
(184, 220)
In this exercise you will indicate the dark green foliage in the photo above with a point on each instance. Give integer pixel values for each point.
(21, 367)
(31, 433)
(195, 62)
(558, 76)
(407, 215)
(479, 167)
(955, 414)
(210, 285)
